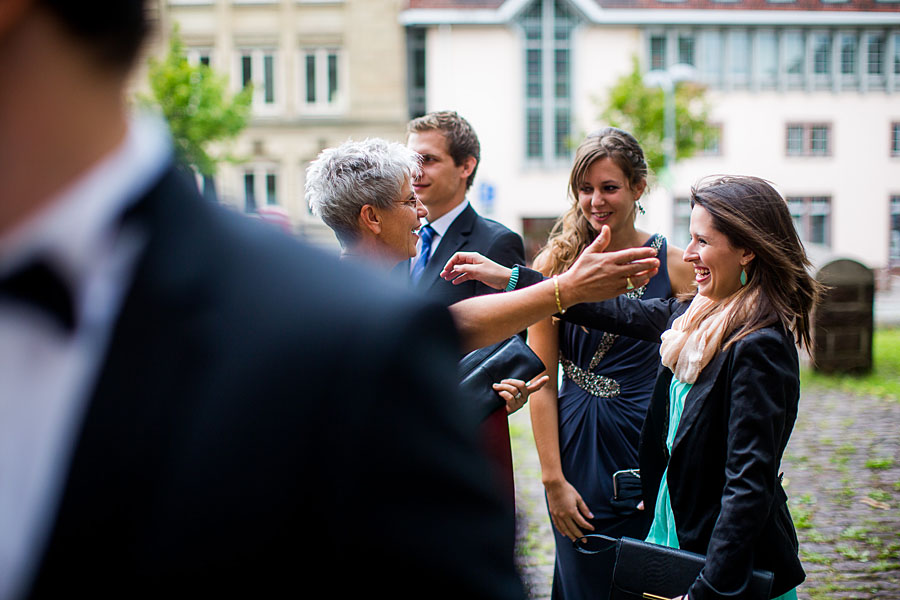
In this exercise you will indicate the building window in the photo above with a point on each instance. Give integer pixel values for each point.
(710, 57)
(321, 79)
(739, 54)
(896, 45)
(895, 232)
(713, 146)
(547, 26)
(812, 218)
(822, 54)
(249, 192)
(782, 58)
(808, 139)
(681, 226)
(794, 56)
(258, 67)
(875, 53)
(198, 56)
(848, 44)
(260, 184)
(895, 139)
(848, 54)
(657, 52)
(767, 58)
(686, 49)
(415, 53)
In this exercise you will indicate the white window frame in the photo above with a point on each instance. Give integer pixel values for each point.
(322, 106)
(257, 69)
(195, 53)
(874, 80)
(260, 172)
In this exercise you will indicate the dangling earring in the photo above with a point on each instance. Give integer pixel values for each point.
(639, 207)
(743, 277)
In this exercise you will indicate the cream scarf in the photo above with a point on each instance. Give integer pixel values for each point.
(686, 353)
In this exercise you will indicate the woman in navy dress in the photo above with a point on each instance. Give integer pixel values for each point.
(590, 427)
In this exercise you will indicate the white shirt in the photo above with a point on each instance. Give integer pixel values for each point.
(440, 227)
(46, 374)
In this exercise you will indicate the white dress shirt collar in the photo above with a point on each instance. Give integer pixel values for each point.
(68, 230)
(442, 224)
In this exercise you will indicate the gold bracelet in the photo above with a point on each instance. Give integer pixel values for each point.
(561, 310)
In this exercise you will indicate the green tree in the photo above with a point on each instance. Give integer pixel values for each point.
(640, 110)
(195, 101)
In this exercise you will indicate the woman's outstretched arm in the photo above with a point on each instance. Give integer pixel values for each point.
(595, 276)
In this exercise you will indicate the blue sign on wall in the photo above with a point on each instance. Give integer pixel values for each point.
(486, 195)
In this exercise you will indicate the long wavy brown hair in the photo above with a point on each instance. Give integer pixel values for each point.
(572, 232)
(753, 215)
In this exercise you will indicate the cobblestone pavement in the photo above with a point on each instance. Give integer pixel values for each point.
(842, 474)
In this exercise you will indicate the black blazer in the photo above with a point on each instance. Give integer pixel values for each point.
(469, 232)
(268, 421)
(723, 476)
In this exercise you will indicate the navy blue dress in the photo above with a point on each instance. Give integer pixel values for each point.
(606, 388)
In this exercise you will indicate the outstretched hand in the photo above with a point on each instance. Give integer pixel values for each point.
(468, 266)
(599, 275)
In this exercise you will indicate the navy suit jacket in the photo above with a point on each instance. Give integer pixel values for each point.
(266, 421)
(469, 232)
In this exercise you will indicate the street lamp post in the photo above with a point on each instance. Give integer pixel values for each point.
(666, 80)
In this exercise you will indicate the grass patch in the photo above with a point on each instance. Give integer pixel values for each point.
(880, 495)
(883, 381)
(846, 449)
(816, 557)
(849, 552)
(890, 552)
(802, 517)
(877, 464)
(855, 532)
(882, 565)
(817, 537)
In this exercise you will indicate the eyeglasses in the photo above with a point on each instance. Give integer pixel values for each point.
(413, 204)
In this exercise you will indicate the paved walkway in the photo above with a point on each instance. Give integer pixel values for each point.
(842, 473)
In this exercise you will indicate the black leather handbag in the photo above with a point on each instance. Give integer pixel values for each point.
(481, 369)
(646, 571)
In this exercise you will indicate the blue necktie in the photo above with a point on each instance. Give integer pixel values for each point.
(427, 235)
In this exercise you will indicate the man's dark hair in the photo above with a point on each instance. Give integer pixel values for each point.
(113, 30)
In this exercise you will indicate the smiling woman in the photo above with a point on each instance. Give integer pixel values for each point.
(362, 190)
(588, 429)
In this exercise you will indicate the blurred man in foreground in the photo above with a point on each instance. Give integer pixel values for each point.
(192, 403)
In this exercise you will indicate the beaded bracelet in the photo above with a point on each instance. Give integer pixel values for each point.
(513, 279)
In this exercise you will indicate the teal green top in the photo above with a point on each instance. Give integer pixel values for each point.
(662, 531)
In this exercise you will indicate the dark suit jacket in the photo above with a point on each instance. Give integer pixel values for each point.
(723, 474)
(469, 232)
(266, 420)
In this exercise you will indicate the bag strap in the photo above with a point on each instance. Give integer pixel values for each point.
(579, 546)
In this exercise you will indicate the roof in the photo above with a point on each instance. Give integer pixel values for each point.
(661, 12)
(807, 5)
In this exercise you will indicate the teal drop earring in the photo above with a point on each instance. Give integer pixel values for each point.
(743, 277)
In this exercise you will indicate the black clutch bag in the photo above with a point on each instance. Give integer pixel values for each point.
(482, 368)
(646, 571)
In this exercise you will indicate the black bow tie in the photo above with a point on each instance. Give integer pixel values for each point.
(40, 287)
